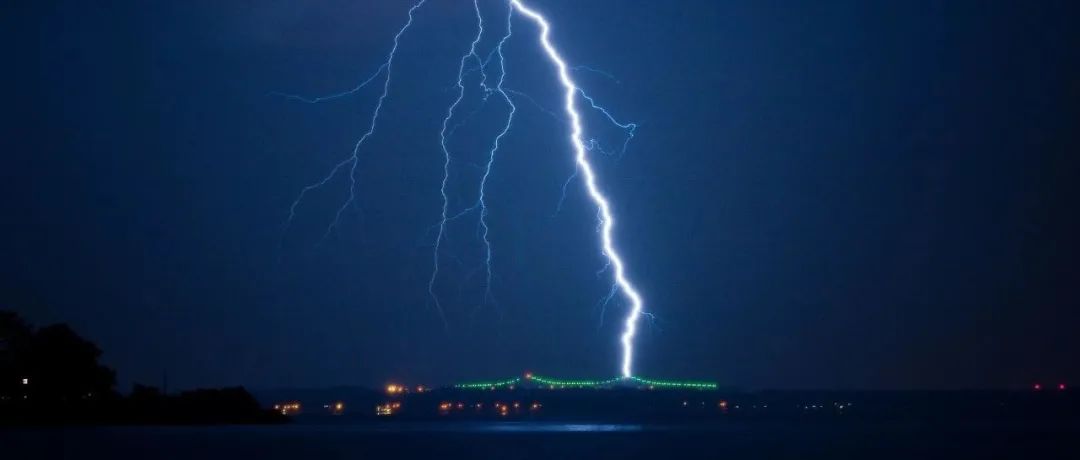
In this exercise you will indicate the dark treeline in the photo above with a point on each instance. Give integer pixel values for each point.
(51, 375)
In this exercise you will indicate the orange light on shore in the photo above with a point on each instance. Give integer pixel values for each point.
(289, 408)
(384, 410)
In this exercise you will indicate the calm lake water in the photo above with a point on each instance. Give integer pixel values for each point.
(532, 440)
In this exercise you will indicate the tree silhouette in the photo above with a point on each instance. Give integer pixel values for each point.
(64, 367)
(52, 376)
(52, 366)
(15, 339)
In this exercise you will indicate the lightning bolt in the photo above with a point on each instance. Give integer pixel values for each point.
(480, 204)
(628, 127)
(593, 144)
(598, 198)
(491, 154)
(573, 117)
(352, 160)
(348, 92)
(603, 73)
(469, 54)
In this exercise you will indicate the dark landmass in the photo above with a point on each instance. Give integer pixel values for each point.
(51, 376)
(346, 405)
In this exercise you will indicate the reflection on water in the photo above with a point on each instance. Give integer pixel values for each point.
(558, 427)
(734, 440)
(486, 427)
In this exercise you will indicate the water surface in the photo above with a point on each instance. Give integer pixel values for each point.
(537, 440)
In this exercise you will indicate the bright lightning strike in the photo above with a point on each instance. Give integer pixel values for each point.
(586, 169)
(606, 223)
(593, 144)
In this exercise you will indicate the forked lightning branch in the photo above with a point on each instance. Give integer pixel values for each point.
(581, 147)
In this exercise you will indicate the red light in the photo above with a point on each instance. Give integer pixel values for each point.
(1038, 387)
(1061, 386)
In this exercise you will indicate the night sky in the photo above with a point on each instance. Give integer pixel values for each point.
(842, 194)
